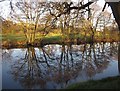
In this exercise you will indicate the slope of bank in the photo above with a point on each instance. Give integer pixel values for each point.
(106, 83)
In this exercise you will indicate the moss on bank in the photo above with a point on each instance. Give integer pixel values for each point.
(106, 83)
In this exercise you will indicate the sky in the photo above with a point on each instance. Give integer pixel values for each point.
(102, 3)
(4, 6)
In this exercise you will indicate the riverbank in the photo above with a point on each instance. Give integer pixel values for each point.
(106, 83)
(15, 41)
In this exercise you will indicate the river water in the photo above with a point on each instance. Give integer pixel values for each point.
(57, 66)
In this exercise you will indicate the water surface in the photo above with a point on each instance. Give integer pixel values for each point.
(57, 66)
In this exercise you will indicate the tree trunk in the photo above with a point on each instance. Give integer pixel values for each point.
(115, 6)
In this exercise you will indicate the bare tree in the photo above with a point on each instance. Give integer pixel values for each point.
(28, 14)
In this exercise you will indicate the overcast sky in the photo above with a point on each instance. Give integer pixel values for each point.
(4, 7)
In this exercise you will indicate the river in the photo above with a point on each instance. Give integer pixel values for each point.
(56, 66)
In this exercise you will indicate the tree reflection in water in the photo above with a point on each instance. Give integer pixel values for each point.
(59, 64)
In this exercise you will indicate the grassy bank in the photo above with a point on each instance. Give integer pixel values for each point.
(106, 83)
(17, 40)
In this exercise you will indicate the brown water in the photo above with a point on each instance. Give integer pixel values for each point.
(57, 66)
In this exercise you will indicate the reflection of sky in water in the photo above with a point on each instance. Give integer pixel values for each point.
(14, 57)
(18, 53)
(112, 70)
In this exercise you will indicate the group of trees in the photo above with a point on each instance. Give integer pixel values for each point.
(69, 17)
(8, 27)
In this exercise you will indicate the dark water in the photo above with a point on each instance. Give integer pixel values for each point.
(57, 66)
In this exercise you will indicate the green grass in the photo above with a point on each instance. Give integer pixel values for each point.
(52, 38)
(106, 83)
(12, 37)
(49, 39)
